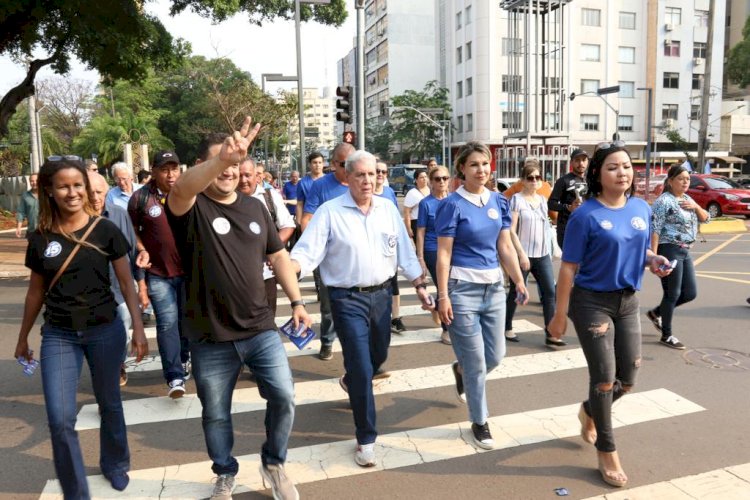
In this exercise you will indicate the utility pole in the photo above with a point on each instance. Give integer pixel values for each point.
(300, 95)
(360, 83)
(33, 131)
(706, 92)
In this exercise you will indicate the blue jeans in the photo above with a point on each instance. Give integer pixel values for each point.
(541, 268)
(477, 336)
(430, 259)
(61, 359)
(364, 322)
(165, 295)
(679, 287)
(127, 322)
(327, 330)
(216, 366)
(609, 330)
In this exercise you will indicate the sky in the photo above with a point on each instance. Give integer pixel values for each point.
(270, 48)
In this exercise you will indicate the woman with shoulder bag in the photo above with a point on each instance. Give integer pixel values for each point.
(69, 256)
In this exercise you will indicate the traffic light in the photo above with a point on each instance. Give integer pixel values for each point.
(350, 137)
(344, 104)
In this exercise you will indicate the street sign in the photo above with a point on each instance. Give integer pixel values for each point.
(350, 137)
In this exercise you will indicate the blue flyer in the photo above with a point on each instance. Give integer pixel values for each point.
(301, 337)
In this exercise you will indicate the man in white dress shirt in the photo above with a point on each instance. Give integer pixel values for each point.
(359, 241)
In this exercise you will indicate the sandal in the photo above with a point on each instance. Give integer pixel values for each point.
(615, 478)
(586, 435)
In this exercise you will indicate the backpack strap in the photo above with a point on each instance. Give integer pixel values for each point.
(271, 206)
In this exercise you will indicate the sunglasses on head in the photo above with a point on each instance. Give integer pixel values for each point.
(609, 145)
(533, 178)
(438, 178)
(64, 157)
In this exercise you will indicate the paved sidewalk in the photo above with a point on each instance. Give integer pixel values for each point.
(12, 255)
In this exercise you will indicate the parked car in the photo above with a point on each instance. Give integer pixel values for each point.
(719, 195)
(401, 177)
(655, 185)
(503, 183)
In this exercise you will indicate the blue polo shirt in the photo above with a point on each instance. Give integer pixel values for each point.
(290, 193)
(303, 188)
(475, 230)
(426, 219)
(324, 189)
(608, 244)
(389, 194)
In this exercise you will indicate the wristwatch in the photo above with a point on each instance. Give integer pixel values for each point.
(296, 303)
(420, 285)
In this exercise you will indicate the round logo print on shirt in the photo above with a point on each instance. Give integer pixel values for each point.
(53, 249)
(154, 211)
(220, 225)
(255, 227)
(392, 240)
(605, 224)
(492, 214)
(638, 223)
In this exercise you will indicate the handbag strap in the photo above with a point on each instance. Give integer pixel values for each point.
(73, 254)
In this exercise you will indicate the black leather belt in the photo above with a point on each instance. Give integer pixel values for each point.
(373, 288)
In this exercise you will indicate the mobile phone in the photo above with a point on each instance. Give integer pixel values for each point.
(666, 267)
(521, 297)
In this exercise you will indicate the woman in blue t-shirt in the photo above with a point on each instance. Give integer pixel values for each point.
(606, 249)
(426, 237)
(473, 229)
(674, 228)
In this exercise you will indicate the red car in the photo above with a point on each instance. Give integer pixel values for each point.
(719, 195)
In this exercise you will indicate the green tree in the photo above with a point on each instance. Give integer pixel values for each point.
(378, 139)
(417, 136)
(738, 59)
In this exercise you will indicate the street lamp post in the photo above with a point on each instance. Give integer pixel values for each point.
(272, 77)
(649, 121)
(599, 93)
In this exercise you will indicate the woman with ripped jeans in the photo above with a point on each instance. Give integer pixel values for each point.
(606, 248)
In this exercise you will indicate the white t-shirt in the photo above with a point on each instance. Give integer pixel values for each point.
(412, 199)
(532, 224)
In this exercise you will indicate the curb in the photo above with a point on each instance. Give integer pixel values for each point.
(724, 226)
(14, 274)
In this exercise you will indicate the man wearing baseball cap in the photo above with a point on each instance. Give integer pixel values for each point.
(163, 283)
(568, 191)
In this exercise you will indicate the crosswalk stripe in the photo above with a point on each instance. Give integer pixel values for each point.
(401, 449)
(163, 409)
(407, 338)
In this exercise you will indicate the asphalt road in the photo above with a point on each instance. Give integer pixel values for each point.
(708, 431)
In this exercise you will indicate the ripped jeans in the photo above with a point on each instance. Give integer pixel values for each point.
(609, 330)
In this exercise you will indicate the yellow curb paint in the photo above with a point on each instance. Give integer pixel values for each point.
(721, 278)
(724, 226)
(715, 250)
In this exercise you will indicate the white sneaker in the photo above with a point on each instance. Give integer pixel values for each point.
(223, 488)
(365, 455)
(281, 486)
(176, 388)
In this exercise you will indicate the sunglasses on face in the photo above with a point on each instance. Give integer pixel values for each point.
(609, 145)
(381, 171)
(533, 178)
(441, 179)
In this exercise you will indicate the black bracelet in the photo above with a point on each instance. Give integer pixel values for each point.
(421, 285)
(296, 303)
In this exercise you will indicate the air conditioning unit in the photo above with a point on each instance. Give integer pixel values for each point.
(698, 61)
(668, 27)
(669, 123)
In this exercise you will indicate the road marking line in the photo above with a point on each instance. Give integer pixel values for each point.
(409, 337)
(400, 449)
(721, 278)
(708, 254)
(164, 409)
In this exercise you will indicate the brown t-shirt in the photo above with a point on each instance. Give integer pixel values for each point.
(223, 248)
(150, 222)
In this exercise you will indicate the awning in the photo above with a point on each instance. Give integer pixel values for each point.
(730, 159)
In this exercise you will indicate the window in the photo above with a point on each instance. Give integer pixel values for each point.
(460, 124)
(625, 123)
(469, 86)
(512, 119)
(589, 86)
(626, 55)
(511, 84)
(551, 83)
(671, 48)
(468, 51)
(697, 82)
(627, 89)
(469, 122)
(701, 18)
(590, 122)
(673, 15)
(458, 20)
(669, 111)
(671, 80)
(591, 17)
(699, 49)
(467, 15)
(627, 20)
(459, 53)
(551, 121)
(512, 47)
(590, 52)
(695, 111)
(459, 90)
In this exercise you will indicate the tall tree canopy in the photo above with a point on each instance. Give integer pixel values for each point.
(418, 136)
(115, 37)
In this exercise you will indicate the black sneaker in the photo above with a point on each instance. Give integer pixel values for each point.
(672, 342)
(397, 326)
(381, 373)
(460, 393)
(326, 352)
(655, 319)
(482, 436)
